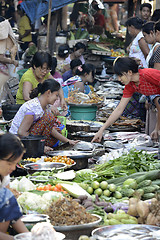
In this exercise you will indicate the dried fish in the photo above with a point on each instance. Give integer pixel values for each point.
(113, 145)
(82, 145)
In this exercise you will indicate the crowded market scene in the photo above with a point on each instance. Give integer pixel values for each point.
(79, 120)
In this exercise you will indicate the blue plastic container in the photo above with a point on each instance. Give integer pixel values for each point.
(83, 112)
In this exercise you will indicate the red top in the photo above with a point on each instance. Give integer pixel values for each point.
(149, 83)
(99, 19)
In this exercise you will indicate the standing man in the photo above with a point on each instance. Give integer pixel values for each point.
(145, 11)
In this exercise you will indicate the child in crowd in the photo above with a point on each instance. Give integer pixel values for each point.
(84, 75)
(57, 76)
(77, 53)
(62, 63)
(74, 64)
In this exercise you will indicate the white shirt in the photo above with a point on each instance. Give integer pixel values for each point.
(135, 50)
(31, 107)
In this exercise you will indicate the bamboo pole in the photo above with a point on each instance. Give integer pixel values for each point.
(48, 22)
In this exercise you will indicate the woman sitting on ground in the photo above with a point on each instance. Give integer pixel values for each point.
(35, 117)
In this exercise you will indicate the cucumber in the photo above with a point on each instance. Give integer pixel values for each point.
(155, 186)
(147, 196)
(145, 183)
(149, 189)
(156, 182)
(141, 179)
(119, 181)
(151, 175)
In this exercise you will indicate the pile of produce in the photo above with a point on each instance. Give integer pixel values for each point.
(79, 34)
(61, 159)
(128, 163)
(147, 213)
(68, 212)
(99, 47)
(117, 53)
(80, 98)
(115, 42)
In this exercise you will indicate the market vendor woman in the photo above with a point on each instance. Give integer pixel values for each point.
(11, 152)
(145, 81)
(35, 116)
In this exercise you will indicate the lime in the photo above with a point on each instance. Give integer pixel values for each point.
(103, 185)
(84, 185)
(112, 187)
(90, 190)
(106, 193)
(95, 185)
(98, 191)
(117, 195)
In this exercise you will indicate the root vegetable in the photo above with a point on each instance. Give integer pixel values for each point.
(88, 204)
(151, 219)
(133, 201)
(103, 204)
(142, 209)
(141, 220)
(132, 210)
(77, 200)
(82, 197)
(89, 208)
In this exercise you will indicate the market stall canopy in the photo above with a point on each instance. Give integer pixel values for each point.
(114, 1)
(36, 9)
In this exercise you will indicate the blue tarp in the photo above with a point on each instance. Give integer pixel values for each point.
(39, 8)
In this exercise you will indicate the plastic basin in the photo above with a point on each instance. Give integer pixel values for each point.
(83, 112)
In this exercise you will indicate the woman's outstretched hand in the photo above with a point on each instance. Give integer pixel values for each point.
(98, 136)
(72, 142)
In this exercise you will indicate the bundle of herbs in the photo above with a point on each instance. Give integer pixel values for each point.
(128, 163)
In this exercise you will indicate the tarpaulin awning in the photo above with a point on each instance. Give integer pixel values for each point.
(36, 9)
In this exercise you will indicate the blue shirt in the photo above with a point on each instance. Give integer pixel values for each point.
(68, 74)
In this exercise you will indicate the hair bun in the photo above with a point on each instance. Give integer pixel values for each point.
(39, 87)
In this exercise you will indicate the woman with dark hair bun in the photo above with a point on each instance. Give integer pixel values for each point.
(145, 81)
(35, 116)
(138, 48)
(37, 73)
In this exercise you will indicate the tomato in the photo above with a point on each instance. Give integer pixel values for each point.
(52, 188)
(56, 189)
(58, 186)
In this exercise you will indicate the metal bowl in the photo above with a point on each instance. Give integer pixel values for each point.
(80, 157)
(129, 230)
(33, 167)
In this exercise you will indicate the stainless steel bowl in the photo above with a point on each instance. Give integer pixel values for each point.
(46, 166)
